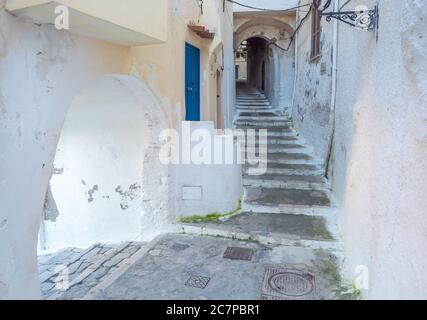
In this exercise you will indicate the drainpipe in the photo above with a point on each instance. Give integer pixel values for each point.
(334, 89)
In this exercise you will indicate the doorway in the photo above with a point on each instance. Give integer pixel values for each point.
(192, 83)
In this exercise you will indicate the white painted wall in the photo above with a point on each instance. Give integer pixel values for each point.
(378, 167)
(127, 23)
(41, 70)
(220, 184)
(380, 150)
(99, 163)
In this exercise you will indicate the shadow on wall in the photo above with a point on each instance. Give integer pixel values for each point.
(103, 188)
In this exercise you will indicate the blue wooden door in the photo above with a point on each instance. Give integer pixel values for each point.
(192, 83)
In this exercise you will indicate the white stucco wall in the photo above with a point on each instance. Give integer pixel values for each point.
(98, 185)
(220, 185)
(380, 151)
(41, 70)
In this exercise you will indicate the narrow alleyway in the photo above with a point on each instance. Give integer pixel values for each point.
(279, 245)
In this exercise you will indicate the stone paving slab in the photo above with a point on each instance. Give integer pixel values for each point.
(193, 268)
(71, 273)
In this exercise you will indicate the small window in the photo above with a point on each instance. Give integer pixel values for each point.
(315, 31)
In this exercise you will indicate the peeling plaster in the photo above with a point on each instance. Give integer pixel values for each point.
(91, 192)
(133, 192)
(58, 171)
(3, 224)
(51, 212)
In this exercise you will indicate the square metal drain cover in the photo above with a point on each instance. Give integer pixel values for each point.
(197, 281)
(287, 284)
(236, 253)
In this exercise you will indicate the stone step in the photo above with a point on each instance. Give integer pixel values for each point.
(279, 141)
(273, 117)
(278, 127)
(284, 157)
(254, 108)
(252, 102)
(263, 124)
(248, 103)
(273, 197)
(275, 168)
(251, 99)
(268, 228)
(258, 114)
(272, 133)
(273, 149)
(251, 95)
(305, 182)
(285, 171)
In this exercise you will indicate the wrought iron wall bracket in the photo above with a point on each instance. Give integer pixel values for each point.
(362, 19)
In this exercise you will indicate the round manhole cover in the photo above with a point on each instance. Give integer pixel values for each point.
(291, 284)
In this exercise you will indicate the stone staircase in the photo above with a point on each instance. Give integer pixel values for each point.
(290, 203)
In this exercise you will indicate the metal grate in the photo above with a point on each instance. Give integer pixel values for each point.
(236, 253)
(284, 284)
(197, 281)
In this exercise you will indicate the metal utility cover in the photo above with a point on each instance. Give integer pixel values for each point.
(197, 281)
(285, 284)
(236, 253)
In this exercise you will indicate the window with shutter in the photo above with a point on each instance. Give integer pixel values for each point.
(315, 31)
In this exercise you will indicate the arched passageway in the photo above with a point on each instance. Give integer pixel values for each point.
(264, 57)
(103, 168)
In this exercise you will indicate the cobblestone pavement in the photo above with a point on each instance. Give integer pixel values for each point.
(71, 273)
(185, 267)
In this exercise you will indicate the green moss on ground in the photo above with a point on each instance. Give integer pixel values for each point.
(347, 290)
(212, 217)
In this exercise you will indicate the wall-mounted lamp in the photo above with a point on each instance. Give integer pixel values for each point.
(362, 19)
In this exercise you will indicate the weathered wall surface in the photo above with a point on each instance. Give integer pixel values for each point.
(41, 70)
(380, 150)
(214, 186)
(97, 183)
(313, 86)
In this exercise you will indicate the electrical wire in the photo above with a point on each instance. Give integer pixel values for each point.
(295, 32)
(272, 10)
(342, 7)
